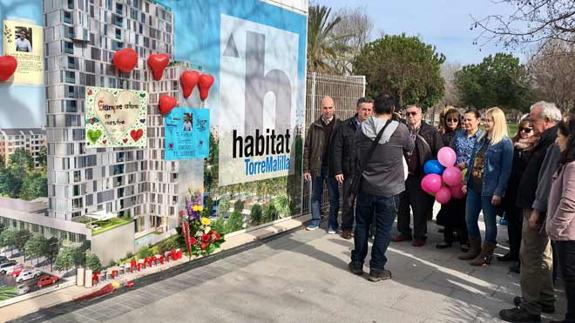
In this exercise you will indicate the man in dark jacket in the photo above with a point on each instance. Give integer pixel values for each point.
(316, 162)
(382, 182)
(536, 277)
(428, 141)
(343, 160)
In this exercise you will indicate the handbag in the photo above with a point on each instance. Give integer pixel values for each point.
(358, 175)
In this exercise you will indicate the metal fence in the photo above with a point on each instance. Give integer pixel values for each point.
(345, 90)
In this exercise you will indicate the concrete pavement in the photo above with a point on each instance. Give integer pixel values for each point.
(302, 277)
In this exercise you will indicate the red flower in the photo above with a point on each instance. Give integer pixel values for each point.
(205, 238)
(193, 240)
(204, 246)
(182, 213)
(216, 236)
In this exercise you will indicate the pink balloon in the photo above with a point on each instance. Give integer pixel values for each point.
(431, 183)
(443, 195)
(452, 176)
(456, 192)
(446, 156)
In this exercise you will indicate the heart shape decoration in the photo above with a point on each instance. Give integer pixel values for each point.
(122, 118)
(125, 60)
(171, 145)
(143, 120)
(136, 134)
(205, 83)
(167, 103)
(94, 135)
(125, 140)
(8, 66)
(188, 81)
(158, 63)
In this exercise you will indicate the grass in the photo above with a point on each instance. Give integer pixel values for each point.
(109, 224)
(7, 292)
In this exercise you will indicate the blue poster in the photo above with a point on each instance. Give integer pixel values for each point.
(187, 133)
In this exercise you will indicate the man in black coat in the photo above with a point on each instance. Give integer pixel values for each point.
(428, 141)
(343, 160)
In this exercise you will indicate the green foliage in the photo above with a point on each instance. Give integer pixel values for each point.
(224, 206)
(282, 205)
(211, 166)
(324, 46)
(20, 239)
(169, 244)
(499, 80)
(403, 66)
(208, 206)
(234, 223)
(7, 292)
(21, 158)
(37, 246)
(269, 213)
(239, 205)
(145, 252)
(11, 180)
(129, 255)
(93, 262)
(43, 156)
(34, 185)
(8, 238)
(65, 259)
(220, 224)
(20, 180)
(52, 249)
(256, 215)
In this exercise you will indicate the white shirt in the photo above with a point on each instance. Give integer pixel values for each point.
(23, 45)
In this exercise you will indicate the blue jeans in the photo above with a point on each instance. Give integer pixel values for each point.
(383, 210)
(317, 192)
(476, 203)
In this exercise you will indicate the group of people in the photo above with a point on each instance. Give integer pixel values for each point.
(377, 157)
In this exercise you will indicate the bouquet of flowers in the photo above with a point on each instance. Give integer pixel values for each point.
(200, 237)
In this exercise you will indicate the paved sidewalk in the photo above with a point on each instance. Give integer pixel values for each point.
(302, 277)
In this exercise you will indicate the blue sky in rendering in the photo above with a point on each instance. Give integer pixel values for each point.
(443, 23)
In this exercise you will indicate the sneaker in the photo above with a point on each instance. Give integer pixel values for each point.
(518, 315)
(547, 309)
(401, 237)
(375, 276)
(418, 243)
(331, 231)
(355, 268)
(311, 227)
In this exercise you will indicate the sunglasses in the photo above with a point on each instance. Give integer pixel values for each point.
(452, 120)
(526, 130)
(411, 113)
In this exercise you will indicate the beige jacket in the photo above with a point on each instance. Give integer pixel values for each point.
(560, 223)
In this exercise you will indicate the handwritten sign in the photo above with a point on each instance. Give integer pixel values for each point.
(187, 133)
(116, 117)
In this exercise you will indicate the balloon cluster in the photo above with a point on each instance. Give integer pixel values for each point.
(443, 179)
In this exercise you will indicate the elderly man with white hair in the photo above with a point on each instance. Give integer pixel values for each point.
(537, 294)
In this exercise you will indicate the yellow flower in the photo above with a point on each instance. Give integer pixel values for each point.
(197, 208)
(206, 221)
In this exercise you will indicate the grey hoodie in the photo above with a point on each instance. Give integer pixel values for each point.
(383, 174)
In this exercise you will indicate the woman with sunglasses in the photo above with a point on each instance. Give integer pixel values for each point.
(523, 143)
(450, 215)
(485, 184)
(560, 221)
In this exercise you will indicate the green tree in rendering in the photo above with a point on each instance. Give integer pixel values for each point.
(22, 236)
(21, 158)
(93, 262)
(36, 247)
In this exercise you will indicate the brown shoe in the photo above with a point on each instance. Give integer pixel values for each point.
(401, 237)
(418, 243)
(346, 234)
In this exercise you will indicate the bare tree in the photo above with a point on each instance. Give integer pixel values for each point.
(354, 30)
(531, 22)
(451, 96)
(552, 69)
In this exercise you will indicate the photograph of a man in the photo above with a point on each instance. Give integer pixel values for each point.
(23, 39)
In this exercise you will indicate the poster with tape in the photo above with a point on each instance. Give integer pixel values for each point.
(24, 41)
(187, 133)
(115, 117)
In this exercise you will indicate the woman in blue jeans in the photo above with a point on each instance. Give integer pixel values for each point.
(485, 185)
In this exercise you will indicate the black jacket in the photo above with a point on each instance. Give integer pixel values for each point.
(528, 184)
(427, 144)
(344, 148)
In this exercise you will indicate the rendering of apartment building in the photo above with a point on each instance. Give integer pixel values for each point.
(30, 139)
(81, 37)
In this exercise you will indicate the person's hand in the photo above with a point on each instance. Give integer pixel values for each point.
(533, 222)
(464, 189)
(496, 200)
(307, 177)
(339, 178)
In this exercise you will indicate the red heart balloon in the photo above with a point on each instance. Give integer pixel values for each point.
(167, 103)
(188, 81)
(206, 81)
(8, 66)
(136, 134)
(125, 60)
(157, 63)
